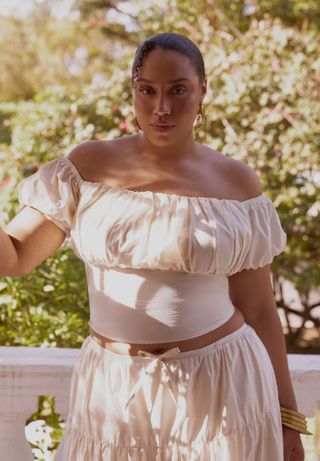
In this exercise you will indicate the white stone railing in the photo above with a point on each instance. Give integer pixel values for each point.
(27, 372)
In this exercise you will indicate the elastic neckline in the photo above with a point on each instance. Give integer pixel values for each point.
(258, 198)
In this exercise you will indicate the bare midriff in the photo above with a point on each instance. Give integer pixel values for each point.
(233, 324)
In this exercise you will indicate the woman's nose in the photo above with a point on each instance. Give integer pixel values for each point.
(161, 107)
(161, 111)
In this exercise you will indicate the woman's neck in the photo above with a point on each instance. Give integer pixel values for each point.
(170, 154)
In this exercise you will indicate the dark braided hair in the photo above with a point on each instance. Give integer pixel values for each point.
(169, 41)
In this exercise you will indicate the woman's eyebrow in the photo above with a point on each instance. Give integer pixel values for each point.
(172, 81)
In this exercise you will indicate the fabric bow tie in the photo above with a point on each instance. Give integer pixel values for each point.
(157, 360)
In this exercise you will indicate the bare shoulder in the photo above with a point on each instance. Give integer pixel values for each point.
(85, 154)
(97, 159)
(242, 176)
(94, 159)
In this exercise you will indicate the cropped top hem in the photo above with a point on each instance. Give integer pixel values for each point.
(163, 340)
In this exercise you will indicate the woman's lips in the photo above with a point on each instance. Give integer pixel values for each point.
(162, 128)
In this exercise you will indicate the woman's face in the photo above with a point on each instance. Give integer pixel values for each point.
(158, 98)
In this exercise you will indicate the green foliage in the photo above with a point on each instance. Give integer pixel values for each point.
(47, 308)
(6, 111)
(262, 108)
(47, 428)
(39, 53)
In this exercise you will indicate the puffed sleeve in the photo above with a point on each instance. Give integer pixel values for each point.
(264, 239)
(53, 190)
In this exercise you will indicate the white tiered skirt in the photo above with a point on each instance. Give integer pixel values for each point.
(218, 403)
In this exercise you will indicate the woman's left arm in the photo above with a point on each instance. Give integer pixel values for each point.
(251, 291)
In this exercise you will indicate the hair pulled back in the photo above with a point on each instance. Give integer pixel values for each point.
(169, 41)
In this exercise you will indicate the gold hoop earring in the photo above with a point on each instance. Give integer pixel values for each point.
(200, 117)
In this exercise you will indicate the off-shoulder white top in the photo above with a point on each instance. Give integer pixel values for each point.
(156, 264)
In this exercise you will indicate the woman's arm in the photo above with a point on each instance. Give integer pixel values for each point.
(26, 241)
(251, 292)
(8, 254)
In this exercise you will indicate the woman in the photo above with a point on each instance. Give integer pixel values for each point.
(186, 357)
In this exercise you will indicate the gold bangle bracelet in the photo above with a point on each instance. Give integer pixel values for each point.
(303, 427)
(290, 411)
(294, 419)
(294, 423)
(302, 431)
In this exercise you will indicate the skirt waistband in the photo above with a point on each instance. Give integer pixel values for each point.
(174, 353)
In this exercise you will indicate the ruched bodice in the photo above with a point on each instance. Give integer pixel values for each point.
(114, 230)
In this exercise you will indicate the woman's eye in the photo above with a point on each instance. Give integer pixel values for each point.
(181, 89)
(175, 90)
(144, 89)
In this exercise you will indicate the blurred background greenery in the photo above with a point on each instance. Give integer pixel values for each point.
(65, 78)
